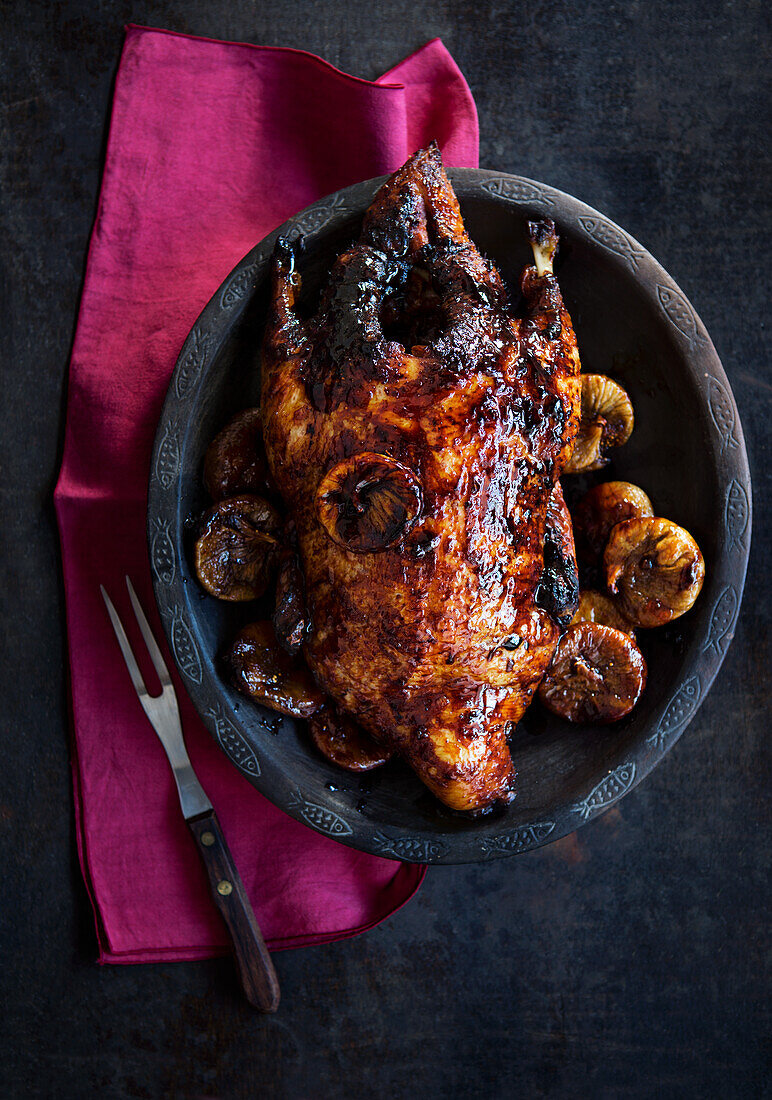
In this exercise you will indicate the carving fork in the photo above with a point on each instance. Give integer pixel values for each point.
(258, 977)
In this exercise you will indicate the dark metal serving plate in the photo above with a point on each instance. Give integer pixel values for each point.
(687, 452)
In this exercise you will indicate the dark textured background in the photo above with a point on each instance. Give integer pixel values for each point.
(624, 961)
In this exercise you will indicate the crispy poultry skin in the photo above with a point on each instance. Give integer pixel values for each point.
(558, 590)
(414, 365)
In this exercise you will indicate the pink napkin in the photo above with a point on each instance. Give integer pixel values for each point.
(212, 145)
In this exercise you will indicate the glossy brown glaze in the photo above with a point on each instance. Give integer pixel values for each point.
(290, 616)
(656, 569)
(368, 502)
(600, 509)
(606, 421)
(597, 607)
(235, 461)
(343, 742)
(596, 675)
(237, 550)
(435, 642)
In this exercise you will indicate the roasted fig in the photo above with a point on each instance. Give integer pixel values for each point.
(234, 462)
(656, 568)
(601, 509)
(345, 743)
(290, 617)
(368, 502)
(236, 552)
(596, 607)
(596, 675)
(607, 421)
(265, 673)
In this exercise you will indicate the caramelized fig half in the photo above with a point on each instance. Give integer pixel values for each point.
(345, 743)
(368, 502)
(601, 509)
(265, 673)
(656, 568)
(596, 607)
(596, 675)
(607, 421)
(235, 554)
(234, 462)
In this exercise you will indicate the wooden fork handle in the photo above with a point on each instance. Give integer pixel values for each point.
(258, 977)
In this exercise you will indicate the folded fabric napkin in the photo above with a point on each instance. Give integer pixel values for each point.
(212, 145)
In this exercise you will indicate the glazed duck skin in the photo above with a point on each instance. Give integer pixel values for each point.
(415, 430)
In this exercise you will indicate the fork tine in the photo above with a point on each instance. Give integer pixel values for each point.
(123, 642)
(144, 626)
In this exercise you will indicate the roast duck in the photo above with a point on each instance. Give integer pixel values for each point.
(415, 428)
